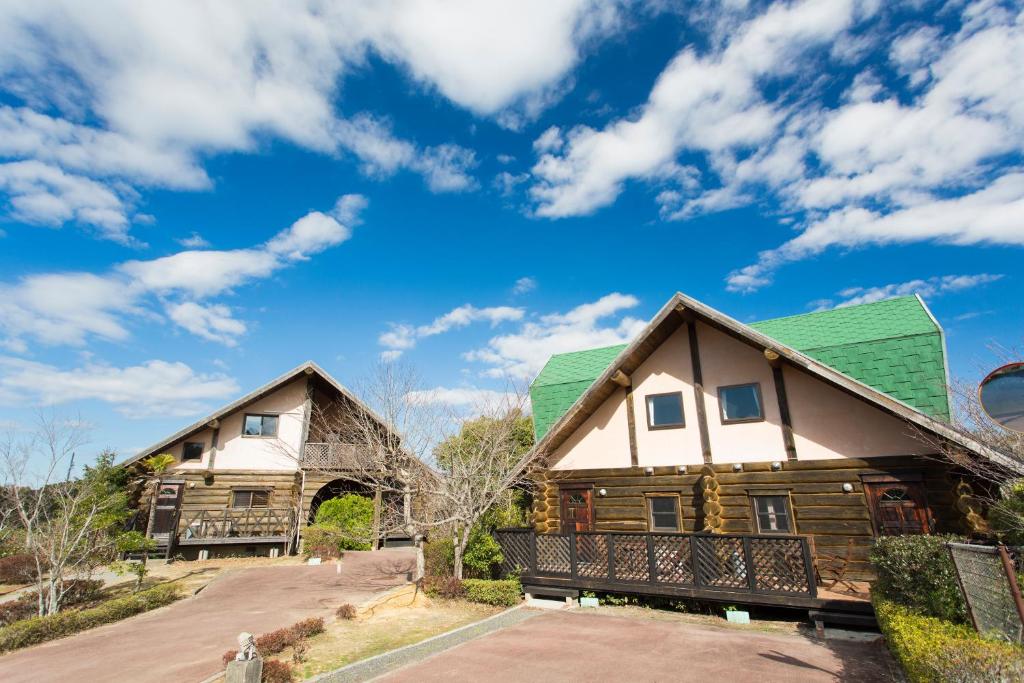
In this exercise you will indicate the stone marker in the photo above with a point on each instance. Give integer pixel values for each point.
(246, 667)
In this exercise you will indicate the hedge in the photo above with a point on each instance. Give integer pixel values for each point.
(41, 629)
(932, 650)
(917, 572)
(503, 592)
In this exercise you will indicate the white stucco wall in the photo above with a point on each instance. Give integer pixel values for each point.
(237, 452)
(827, 422)
(830, 424)
(601, 441)
(726, 361)
(668, 369)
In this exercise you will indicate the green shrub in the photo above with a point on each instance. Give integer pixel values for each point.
(917, 572)
(481, 560)
(503, 592)
(351, 517)
(1007, 516)
(439, 557)
(41, 629)
(932, 650)
(447, 587)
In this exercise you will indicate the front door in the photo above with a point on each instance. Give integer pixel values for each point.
(577, 509)
(898, 507)
(168, 499)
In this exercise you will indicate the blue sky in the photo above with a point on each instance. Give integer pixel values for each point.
(197, 198)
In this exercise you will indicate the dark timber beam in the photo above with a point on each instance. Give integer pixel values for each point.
(698, 391)
(787, 422)
(634, 457)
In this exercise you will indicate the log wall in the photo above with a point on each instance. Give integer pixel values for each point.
(821, 509)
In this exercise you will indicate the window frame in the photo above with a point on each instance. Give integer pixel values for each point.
(742, 420)
(674, 425)
(648, 497)
(250, 490)
(202, 451)
(261, 435)
(753, 495)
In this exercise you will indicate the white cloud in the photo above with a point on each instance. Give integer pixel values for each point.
(550, 140)
(43, 194)
(154, 388)
(711, 104)
(521, 355)
(349, 208)
(163, 89)
(214, 322)
(402, 337)
(67, 308)
(928, 288)
(193, 241)
(506, 183)
(524, 285)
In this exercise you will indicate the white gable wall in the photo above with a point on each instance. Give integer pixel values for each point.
(827, 422)
(238, 452)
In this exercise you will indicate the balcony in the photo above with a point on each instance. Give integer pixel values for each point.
(235, 525)
(330, 456)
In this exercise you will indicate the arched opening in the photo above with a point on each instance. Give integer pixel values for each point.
(335, 489)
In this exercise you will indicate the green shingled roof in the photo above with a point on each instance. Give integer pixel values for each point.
(894, 346)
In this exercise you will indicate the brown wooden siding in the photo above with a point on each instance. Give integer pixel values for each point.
(821, 509)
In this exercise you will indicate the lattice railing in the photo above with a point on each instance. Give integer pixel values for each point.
(730, 562)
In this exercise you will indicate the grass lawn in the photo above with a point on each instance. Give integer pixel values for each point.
(347, 641)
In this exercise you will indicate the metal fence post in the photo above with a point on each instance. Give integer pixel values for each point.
(1011, 578)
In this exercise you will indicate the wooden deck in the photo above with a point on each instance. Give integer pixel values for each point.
(729, 568)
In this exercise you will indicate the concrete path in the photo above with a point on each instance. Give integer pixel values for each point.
(582, 646)
(184, 642)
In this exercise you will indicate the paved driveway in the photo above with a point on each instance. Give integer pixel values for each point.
(183, 642)
(584, 646)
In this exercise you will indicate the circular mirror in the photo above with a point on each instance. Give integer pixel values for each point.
(1002, 396)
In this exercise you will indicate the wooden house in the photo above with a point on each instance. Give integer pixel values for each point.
(242, 481)
(712, 458)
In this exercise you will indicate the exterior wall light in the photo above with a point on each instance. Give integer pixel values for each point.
(737, 467)
(648, 470)
(847, 487)
(602, 492)
(681, 469)
(776, 466)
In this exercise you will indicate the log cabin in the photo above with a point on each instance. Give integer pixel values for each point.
(715, 459)
(249, 477)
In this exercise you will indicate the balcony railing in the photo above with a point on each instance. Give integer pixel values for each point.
(234, 525)
(330, 456)
(663, 563)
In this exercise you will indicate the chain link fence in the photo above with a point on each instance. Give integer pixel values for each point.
(988, 578)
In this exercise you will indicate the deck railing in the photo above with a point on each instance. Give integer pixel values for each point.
(330, 456)
(226, 524)
(736, 563)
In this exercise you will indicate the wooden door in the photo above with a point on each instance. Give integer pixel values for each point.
(577, 509)
(168, 500)
(898, 507)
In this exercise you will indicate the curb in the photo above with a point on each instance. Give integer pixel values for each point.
(387, 662)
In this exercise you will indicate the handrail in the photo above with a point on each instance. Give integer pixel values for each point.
(216, 523)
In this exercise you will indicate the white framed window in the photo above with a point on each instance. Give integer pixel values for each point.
(772, 513)
(250, 498)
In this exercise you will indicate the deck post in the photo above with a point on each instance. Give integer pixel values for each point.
(694, 550)
(812, 585)
(533, 554)
(652, 564)
(611, 556)
(573, 570)
(748, 560)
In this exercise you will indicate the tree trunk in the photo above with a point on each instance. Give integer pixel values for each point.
(421, 561)
(460, 542)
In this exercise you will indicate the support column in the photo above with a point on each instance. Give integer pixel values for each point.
(780, 394)
(698, 389)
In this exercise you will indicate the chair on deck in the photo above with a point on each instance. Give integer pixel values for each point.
(831, 569)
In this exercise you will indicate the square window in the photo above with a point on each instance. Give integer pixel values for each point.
(664, 513)
(665, 410)
(773, 514)
(260, 425)
(242, 498)
(740, 403)
(191, 451)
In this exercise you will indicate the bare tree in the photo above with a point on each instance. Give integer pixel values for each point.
(66, 524)
(426, 476)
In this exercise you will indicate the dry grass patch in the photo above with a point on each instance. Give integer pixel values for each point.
(346, 641)
(756, 623)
